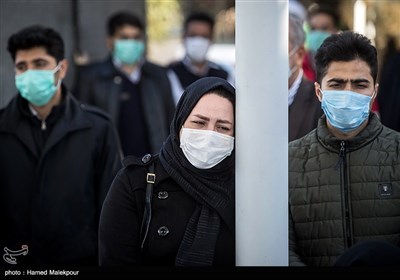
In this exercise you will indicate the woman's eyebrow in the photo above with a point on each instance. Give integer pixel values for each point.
(223, 121)
(201, 117)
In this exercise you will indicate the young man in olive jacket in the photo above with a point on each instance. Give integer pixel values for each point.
(344, 177)
(57, 160)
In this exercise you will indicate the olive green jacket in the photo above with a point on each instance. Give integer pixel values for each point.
(342, 192)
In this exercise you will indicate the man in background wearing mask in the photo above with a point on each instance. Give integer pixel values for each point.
(322, 21)
(57, 159)
(344, 177)
(304, 108)
(197, 38)
(136, 93)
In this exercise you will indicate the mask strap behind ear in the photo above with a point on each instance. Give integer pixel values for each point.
(375, 91)
(58, 67)
(319, 87)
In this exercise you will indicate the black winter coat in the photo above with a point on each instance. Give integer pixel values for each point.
(171, 210)
(51, 201)
(99, 84)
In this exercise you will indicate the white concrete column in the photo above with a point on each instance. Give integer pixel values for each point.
(262, 133)
(359, 16)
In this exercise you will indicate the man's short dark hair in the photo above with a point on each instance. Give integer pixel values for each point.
(122, 18)
(199, 16)
(346, 46)
(37, 36)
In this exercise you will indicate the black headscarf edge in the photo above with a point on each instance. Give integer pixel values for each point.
(195, 91)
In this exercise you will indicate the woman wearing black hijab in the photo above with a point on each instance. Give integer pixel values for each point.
(184, 214)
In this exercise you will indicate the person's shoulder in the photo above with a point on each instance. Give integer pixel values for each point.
(97, 67)
(6, 108)
(151, 67)
(145, 161)
(304, 145)
(137, 169)
(307, 140)
(218, 67)
(155, 73)
(390, 135)
(174, 64)
(10, 109)
(94, 112)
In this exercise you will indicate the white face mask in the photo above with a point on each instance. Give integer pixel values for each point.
(204, 149)
(196, 48)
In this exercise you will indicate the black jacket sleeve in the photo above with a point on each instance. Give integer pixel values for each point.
(119, 230)
(109, 162)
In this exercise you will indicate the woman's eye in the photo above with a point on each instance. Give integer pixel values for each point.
(224, 128)
(198, 122)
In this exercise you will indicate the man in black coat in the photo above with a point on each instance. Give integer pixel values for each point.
(57, 160)
(136, 93)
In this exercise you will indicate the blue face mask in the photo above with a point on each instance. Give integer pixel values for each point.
(345, 110)
(37, 86)
(314, 39)
(128, 51)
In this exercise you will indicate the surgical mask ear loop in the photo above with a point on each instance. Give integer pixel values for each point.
(58, 67)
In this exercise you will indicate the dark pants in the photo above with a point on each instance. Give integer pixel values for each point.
(370, 253)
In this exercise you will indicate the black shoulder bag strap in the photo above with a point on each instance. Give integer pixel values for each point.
(150, 179)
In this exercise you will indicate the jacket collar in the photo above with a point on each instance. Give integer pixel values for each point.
(15, 123)
(367, 135)
(110, 69)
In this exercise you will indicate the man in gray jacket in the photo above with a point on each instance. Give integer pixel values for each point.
(344, 177)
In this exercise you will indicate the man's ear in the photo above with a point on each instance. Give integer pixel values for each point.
(318, 93)
(373, 97)
(376, 91)
(62, 73)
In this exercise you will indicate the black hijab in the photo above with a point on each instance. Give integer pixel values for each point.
(213, 188)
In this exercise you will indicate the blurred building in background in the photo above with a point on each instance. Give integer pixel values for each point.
(82, 25)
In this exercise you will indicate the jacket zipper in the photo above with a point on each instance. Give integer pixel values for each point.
(344, 183)
(43, 126)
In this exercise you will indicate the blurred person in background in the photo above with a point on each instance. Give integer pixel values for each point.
(197, 39)
(322, 21)
(304, 106)
(135, 92)
(389, 98)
